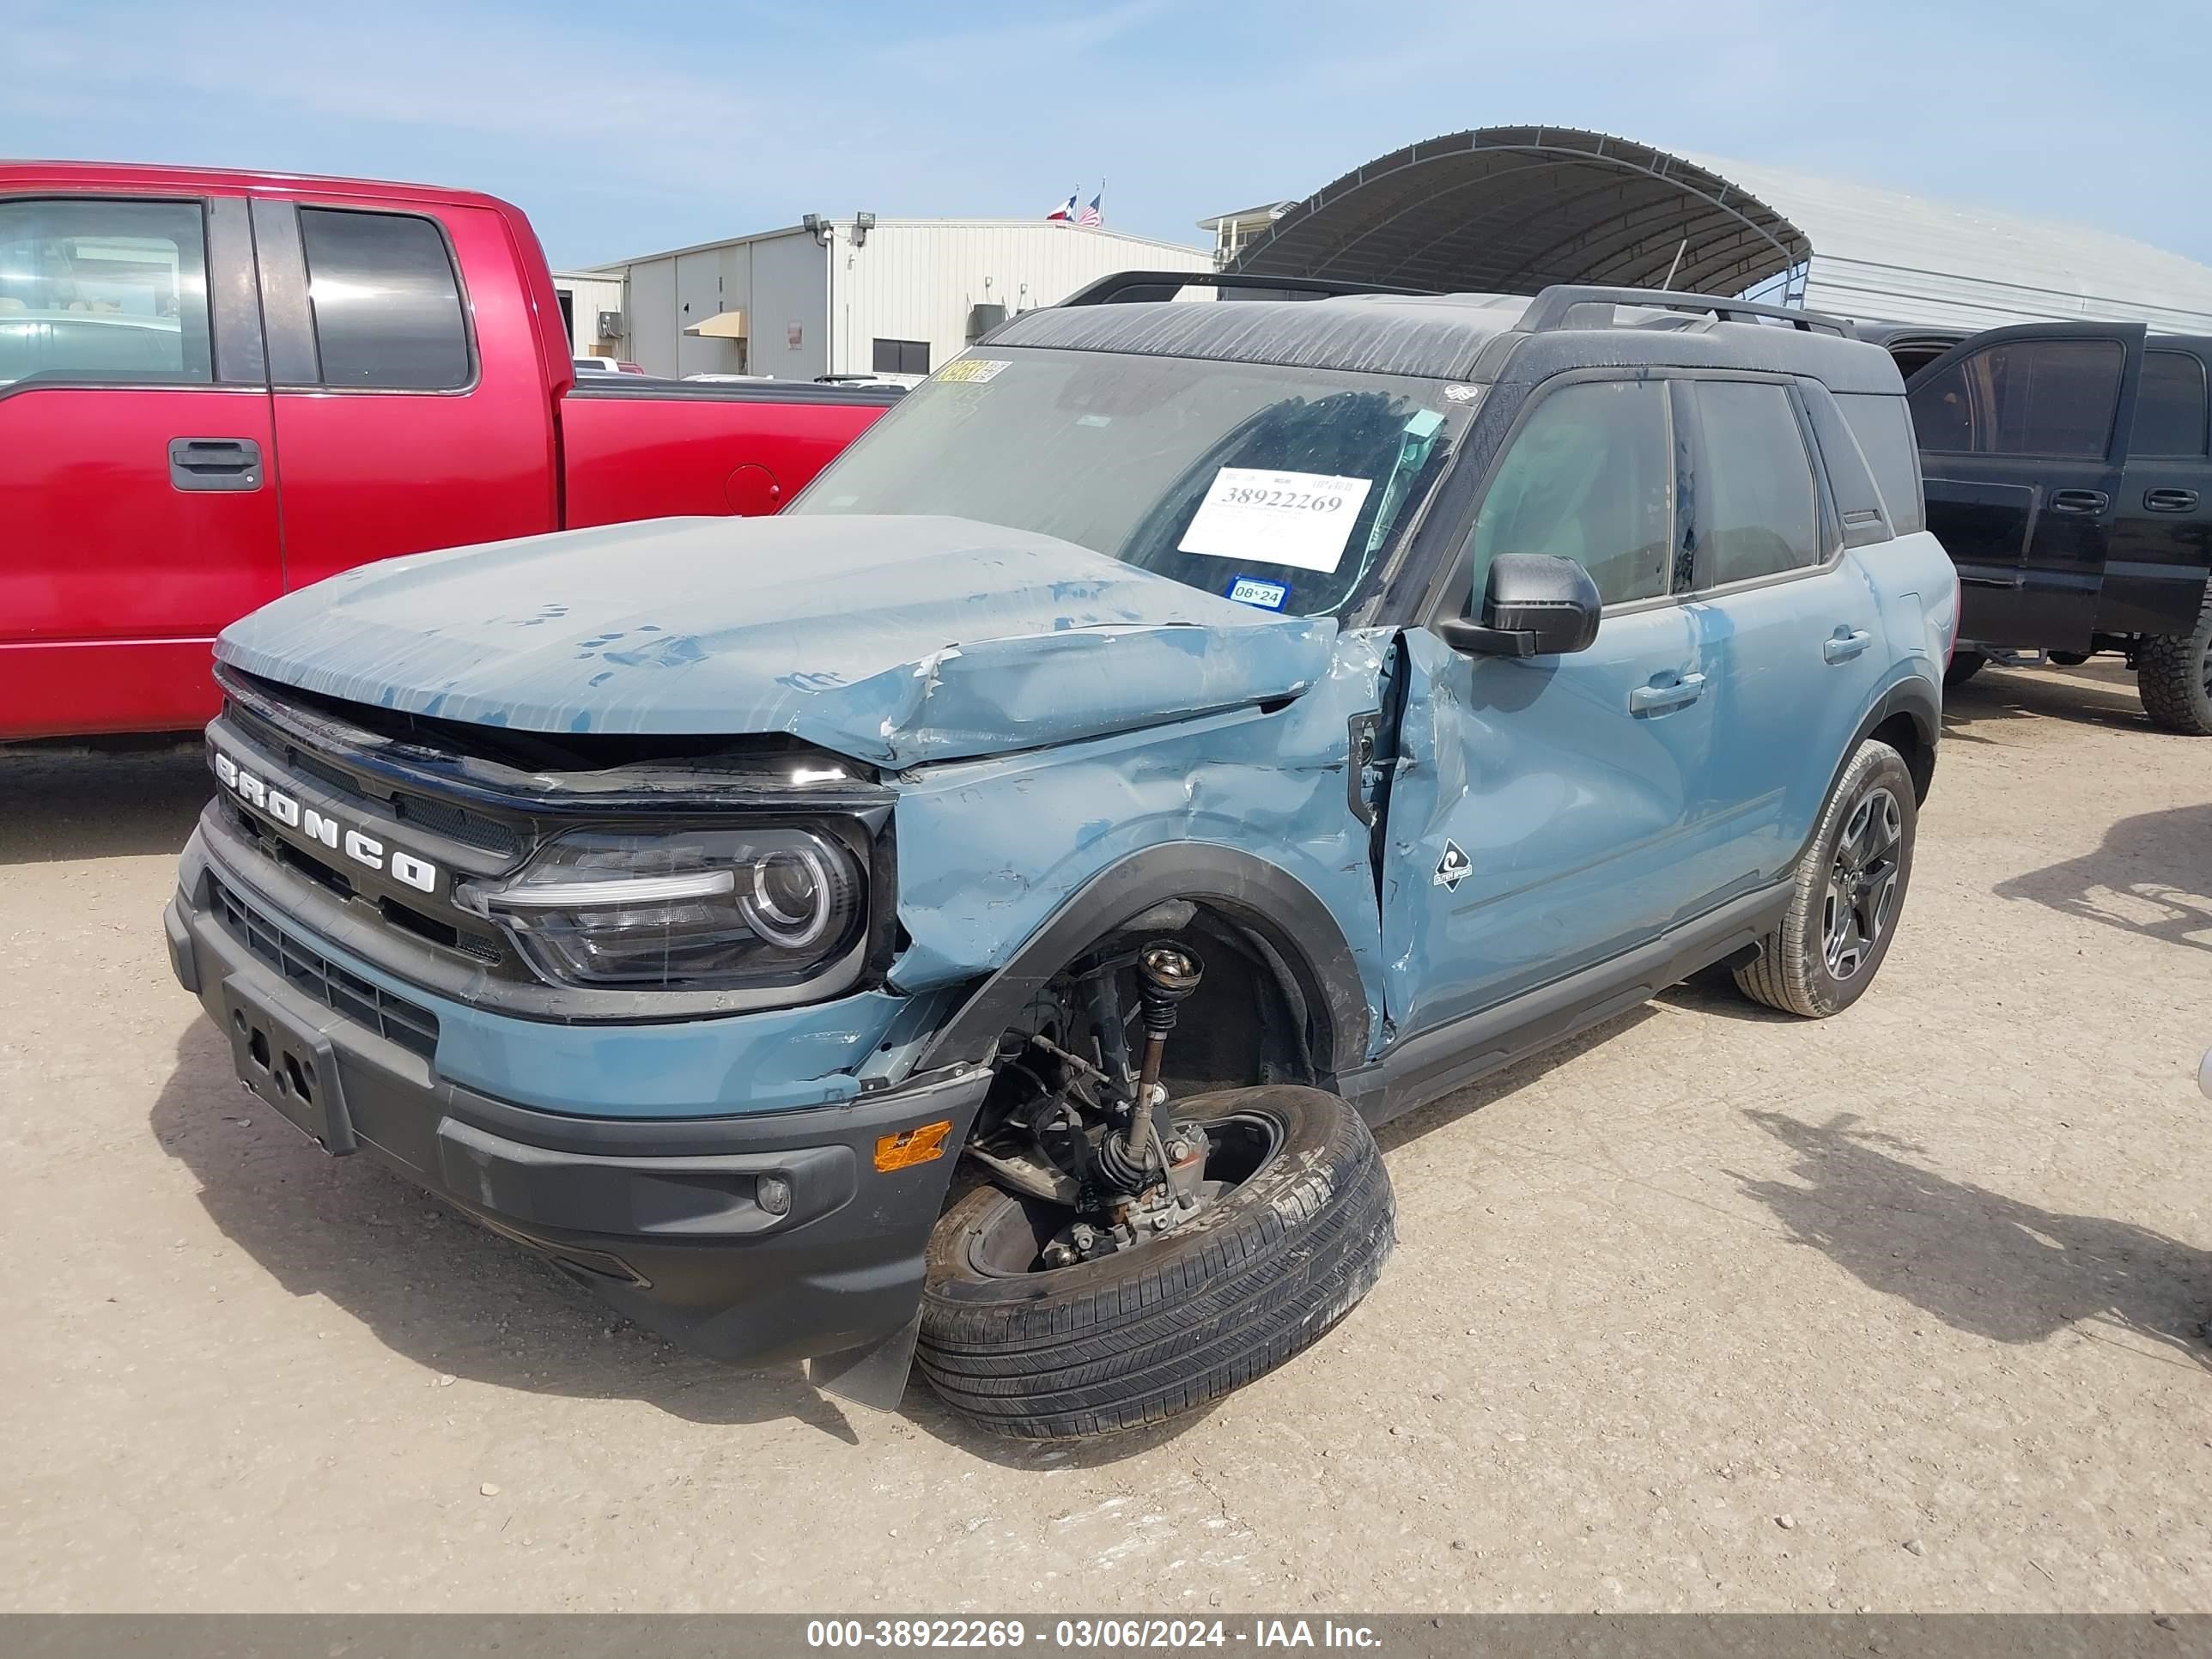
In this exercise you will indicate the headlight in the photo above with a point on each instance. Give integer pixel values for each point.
(692, 910)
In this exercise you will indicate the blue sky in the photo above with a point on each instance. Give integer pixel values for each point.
(625, 128)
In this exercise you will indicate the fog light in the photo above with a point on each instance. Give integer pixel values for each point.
(772, 1194)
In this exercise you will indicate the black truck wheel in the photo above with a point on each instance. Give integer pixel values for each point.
(1963, 666)
(2174, 673)
(1849, 888)
(1299, 1221)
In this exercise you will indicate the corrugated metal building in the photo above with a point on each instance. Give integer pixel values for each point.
(892, 295)
(1884, 254)
(588, 297)
(1509, 210)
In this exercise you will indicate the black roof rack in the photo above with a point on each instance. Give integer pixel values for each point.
(1136, 287)
(1554, 307)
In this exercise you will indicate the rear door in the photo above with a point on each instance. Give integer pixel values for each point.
(411, 407)
(137, 509)
(1789, 629)
(1549, 813)
(2161, 547)
(2023, 436)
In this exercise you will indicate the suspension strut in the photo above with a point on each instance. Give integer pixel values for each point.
(1166, 973)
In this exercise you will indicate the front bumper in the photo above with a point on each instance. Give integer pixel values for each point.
(664, 1217)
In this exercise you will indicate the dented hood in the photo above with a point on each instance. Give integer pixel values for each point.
(894, 640)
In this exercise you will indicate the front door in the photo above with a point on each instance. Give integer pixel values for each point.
(1549, 813)
(137, 505)
(2023, 440)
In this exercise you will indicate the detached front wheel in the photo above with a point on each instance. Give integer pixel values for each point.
(1297, 1220)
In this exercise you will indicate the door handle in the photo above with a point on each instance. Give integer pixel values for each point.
(2079, 500)
(215, 464)
(1658, 699)
(1844, 644)
(2170, 501)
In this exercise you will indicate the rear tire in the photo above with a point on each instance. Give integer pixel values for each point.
(1847, 894)
(1133, 1339)
(2174, 673)
(1964, 665)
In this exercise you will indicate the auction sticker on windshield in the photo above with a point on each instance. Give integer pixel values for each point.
(1302, 519)
(973, 371)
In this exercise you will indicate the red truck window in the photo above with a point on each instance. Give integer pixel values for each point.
(386, 305)
(103, 290)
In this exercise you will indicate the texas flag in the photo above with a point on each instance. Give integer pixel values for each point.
(1065, 213)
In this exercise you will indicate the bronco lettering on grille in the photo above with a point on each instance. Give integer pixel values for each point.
(287, 811)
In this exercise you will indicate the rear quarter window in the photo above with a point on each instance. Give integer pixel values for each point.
(386, 304)
(1884, 429)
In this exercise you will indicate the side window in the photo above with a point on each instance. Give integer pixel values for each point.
(1590, 477)
(95, 289)
(387, 307)
(1758, 506)
(2053, 397)
(2170, 412)
(1885, 433)
(902, 356)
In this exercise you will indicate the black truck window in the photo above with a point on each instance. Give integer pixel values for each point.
(387, 305)
(2170, 409)
(2053, 397)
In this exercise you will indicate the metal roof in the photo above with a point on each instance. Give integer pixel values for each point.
(1882, 253)
(1509, 210)
(1513, 210)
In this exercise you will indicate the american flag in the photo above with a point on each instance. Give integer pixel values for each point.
(1092, 215)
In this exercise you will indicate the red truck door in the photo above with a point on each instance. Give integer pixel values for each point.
(411, 405)
(137, 505)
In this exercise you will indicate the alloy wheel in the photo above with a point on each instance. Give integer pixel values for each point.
(1862, 895)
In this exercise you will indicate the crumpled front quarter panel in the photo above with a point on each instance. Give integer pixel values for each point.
(991, 850)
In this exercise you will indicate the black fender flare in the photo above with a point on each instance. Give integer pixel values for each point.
(1271, 904)
(1913, 695)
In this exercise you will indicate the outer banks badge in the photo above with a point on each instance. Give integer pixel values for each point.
(1453, 867)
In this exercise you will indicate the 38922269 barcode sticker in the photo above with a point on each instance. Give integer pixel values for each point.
(1302, 519)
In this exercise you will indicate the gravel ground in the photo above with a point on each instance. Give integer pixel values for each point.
(1710, 1309)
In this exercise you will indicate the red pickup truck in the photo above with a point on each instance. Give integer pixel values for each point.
(216, 387)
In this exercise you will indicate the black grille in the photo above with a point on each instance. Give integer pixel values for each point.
(441, 818)
(393, 1018)
(458, 823)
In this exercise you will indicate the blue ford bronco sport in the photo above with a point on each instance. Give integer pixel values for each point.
(977, 916)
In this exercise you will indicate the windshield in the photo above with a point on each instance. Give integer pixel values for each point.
(1283, 488)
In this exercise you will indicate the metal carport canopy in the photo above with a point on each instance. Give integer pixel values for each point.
(1509, 210)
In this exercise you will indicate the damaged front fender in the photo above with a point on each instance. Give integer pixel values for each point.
(1003, 862)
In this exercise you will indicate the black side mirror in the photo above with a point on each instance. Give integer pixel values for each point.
(1536, 605)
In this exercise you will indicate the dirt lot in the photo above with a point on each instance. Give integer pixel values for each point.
(1711, 1309)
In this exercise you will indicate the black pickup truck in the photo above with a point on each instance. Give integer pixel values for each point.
(2068, 470)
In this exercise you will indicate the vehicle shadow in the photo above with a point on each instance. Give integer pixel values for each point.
(1460, 1102)
(1988, 1265)
(460, 1300)
(63, 804)
(2095, 694)
(2152, 876)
